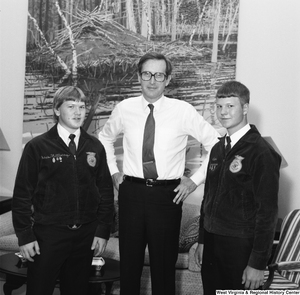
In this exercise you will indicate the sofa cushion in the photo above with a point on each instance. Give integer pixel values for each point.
(189, 234)
(6, 226)
(9, 243)
(112, 249)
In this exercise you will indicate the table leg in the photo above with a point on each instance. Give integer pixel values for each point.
(12, 283)
(95, 289)
(108, 287)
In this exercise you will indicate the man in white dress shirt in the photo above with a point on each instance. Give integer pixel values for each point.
(150, 207)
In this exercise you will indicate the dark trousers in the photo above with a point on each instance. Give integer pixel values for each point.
(65, 254)
(224, 261)
(148, 216)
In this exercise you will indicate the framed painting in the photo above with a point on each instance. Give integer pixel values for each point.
(96, 45)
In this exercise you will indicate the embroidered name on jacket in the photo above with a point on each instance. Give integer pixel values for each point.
(236, 164)
(55, 157)
(212, 167)
(91, 158)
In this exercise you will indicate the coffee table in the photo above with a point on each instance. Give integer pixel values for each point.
(16, 274)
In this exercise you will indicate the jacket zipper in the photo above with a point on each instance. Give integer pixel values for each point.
(75, 183)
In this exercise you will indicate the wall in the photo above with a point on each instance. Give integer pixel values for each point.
(268, 63)
(13, 30)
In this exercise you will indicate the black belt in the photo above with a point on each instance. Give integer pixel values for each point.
(152, 182)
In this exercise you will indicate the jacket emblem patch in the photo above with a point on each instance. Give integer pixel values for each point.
(236, 164)
(91, 159)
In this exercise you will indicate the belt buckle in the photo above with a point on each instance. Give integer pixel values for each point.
(74, 226)
(149, 182)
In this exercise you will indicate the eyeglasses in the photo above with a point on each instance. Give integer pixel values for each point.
(159, 77)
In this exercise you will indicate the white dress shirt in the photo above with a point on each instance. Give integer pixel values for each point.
(175, 120)
(64, 134)
(235, 137)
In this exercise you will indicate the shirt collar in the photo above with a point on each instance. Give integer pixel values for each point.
(64, 134)
(235, 137)
(157, 104)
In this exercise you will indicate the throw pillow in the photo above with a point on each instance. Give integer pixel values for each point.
(189, 235)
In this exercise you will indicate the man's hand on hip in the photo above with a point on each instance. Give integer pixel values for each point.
(185, 187)
(117, 179)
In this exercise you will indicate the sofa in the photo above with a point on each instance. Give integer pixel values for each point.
(188, 278)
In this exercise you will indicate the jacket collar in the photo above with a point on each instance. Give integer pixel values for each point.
(252, 135)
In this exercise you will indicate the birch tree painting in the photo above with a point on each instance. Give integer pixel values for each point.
(96, 44)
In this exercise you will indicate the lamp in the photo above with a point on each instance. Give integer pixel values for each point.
(3, 143)
(272, 143)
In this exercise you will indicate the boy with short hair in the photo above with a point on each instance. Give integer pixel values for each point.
(63, 200)
(240, 203)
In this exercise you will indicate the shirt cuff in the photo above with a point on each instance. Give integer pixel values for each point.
(113, 168)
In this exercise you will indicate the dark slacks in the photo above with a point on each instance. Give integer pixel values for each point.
(65, 254)
(224, 261)
(147, 215)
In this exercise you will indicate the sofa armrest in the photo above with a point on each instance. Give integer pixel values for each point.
(6, 225)
(192, 262)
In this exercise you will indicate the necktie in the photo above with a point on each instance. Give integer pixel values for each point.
(228, 145)
(149, 166)
(72, 145)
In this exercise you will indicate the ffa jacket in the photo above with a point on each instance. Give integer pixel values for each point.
(54, 187)
(241, 194)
